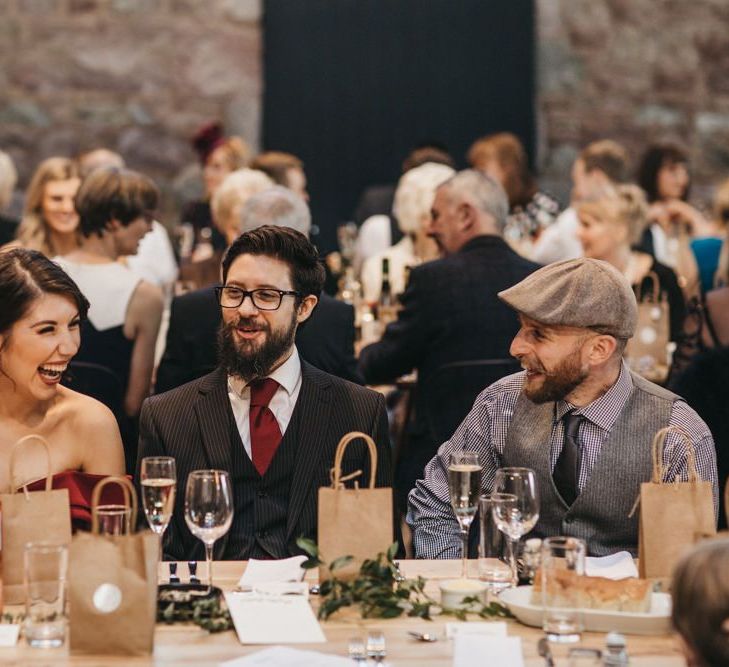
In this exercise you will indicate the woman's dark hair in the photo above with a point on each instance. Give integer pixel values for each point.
(110, 193)
(656, 157)
(26, 275)
(287, 245)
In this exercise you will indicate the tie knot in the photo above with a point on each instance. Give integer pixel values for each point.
(572, 423)
(262, 391)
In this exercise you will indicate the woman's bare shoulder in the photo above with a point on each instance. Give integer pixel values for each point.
(85, 412)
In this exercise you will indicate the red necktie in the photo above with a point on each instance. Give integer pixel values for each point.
(265, 433)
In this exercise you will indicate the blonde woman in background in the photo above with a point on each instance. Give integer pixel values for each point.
(50, 221)
(8, 180)
(609, 227)
(413, 201)
(700, 613)
(229, 198)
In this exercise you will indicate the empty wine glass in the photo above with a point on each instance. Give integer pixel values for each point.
(464, 483)
(208, 509)
(158, 478)
(515, 507)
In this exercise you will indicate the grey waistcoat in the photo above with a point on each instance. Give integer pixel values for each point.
(600, 514)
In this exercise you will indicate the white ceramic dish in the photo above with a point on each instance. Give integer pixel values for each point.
(656, 622)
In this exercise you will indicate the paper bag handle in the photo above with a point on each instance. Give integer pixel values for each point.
(130, 499)
(14, 453)
(659, 441)
(655, 296)
(336, 472)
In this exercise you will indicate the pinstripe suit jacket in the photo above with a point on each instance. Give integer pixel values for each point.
(192, 423)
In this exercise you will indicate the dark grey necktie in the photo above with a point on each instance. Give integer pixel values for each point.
(567, 469)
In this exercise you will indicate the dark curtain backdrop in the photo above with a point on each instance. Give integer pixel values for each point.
(351, 86)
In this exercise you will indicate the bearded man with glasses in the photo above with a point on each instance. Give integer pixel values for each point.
(265, 415)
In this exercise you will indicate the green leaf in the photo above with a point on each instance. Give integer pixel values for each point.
(339, 563)
(308, 546)
(311, 563)
(392, 551)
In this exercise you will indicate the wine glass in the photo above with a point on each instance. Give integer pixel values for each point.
(158, 478)
(515, 507)
(208, 509)
(464, 483)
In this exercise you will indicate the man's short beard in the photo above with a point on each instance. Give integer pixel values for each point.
(253, 363)
(560, 382)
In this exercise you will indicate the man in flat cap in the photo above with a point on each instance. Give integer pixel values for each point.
(576, 415)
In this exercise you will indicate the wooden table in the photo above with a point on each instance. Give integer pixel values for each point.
(189, 645)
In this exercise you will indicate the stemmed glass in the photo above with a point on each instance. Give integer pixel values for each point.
(208, 509)
(515, 507)
(464, 483)
(158, 477)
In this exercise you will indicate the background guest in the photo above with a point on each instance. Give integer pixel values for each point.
(50, 221)
(707, 247)
(283, 169)
(219, 156)
(663, 174)
(8, 179)
(609, 227)
(40, 321)
(116, 208)
(600, 165)
(700, 611)
(411, 208)
(502, 156)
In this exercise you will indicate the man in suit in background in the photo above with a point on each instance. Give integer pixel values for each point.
(450, 309)
(327, 340)
(269, 418)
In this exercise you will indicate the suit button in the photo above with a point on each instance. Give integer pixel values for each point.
(262, 494)
(569, 520)
(261, 533)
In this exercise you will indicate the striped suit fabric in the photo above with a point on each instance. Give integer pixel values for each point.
(192, 423)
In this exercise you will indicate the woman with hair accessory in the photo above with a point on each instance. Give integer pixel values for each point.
(50, 221)
(40, 324)
(700, 615)
(116, 208)
(219, 156)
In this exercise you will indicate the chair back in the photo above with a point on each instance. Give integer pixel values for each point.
(452, 388)
(96, 381)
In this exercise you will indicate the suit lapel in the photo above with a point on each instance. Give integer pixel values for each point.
(315, 407)
(213, 414)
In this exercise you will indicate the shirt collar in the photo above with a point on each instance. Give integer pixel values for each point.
(602, 411)
(287, 375)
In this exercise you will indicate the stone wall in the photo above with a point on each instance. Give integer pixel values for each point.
(137, 76)
(636, 71)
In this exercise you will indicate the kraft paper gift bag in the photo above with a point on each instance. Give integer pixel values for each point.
(37, 516)
(647, 351)
(673, 515)
(353, 522)
(112, 585)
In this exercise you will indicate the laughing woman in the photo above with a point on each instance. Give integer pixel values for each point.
(39, 334)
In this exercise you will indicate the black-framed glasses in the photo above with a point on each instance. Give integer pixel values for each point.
(265, 298)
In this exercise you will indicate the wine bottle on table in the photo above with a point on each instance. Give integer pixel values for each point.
(386, 306)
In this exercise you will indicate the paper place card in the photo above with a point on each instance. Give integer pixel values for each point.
(491, 628)
(9, 634)
(272, 571)
(268, 619)
(284, 656)
(619, 565)
(472, 650)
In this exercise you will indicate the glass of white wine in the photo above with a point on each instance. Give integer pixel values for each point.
(464, 483)
(209, 509)
(158, 479)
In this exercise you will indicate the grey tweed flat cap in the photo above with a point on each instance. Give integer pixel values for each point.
(579, 293)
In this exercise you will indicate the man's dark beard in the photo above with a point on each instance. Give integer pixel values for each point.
(252, 363)
(560, 382)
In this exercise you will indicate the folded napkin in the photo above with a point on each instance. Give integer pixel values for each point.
(619, 565)
(272, 571)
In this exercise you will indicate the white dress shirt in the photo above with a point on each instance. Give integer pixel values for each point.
(558, 241)
(288, 376)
